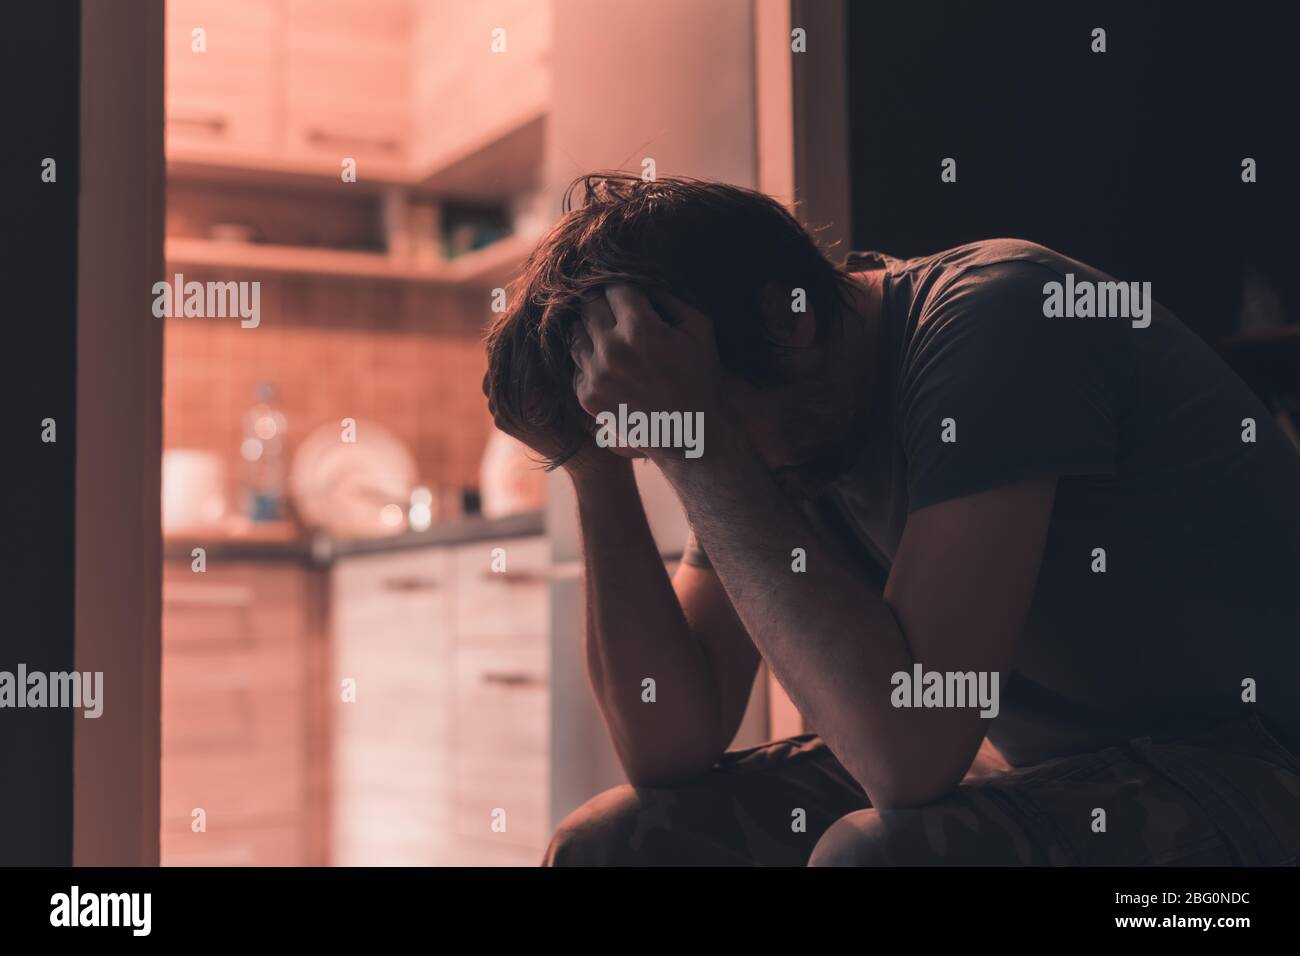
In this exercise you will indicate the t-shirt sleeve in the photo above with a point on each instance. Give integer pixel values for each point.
(992, 391)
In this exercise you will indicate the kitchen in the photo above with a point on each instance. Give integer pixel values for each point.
(371, 647)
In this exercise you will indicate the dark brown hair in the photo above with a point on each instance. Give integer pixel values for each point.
(712, 245)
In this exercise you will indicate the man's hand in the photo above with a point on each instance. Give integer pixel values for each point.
(627, 353)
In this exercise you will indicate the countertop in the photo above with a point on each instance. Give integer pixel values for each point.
(321, 550)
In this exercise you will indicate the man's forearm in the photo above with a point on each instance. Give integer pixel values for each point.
(635, 629)
(832, 643)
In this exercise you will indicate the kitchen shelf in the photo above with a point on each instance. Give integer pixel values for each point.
(489, 266)
(500, 163)
(191, 164)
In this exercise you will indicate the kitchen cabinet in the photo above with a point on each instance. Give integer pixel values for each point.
(407, 88)
(500, 750)
(443, 757)
(241, 645)
(480, 71)
(290, 85)
(391, 617)
(221, 101)
(347, 84)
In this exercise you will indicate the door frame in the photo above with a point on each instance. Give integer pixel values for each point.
(118, 565)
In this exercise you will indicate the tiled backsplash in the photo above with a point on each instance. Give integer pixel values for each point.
(409, 357)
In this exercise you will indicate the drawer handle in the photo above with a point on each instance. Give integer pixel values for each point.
(216, 125)
(207, 595)
(236, 680)
(514, 578)
(320, 137)
(410, 585)
(512, 679)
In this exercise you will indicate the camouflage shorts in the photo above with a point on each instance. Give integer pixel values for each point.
(1230, 796)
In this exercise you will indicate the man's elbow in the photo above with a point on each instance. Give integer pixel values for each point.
(916, 779)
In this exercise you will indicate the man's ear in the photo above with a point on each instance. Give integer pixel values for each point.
(788, 316)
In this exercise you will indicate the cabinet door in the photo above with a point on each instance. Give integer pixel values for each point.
(235, 736)
(221, 101)
(501, 746)
(391, 795)
(501, 592)
(502, 719)
(347, 78)
(480, 70)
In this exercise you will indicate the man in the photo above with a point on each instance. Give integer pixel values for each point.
(1018, 545)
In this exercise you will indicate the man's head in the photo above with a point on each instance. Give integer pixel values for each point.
(775, 301)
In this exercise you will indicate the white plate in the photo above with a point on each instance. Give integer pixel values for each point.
(343, 487)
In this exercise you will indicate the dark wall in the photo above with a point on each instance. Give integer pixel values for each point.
(1129, 160)
(39, 83)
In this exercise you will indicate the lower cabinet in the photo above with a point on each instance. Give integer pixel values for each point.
(242, 751)
(440, 723)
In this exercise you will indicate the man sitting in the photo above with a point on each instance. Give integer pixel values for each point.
(984, 468)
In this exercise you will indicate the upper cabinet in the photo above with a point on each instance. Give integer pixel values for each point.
(221, 70)
(481, 73)
(410, 89)
(347, 85)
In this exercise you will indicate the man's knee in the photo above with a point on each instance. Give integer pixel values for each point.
(858, 839)
(597, 833)
(960, 831)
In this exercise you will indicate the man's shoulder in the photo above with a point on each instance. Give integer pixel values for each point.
(998, 281)
(991, 277)
(991, 263)
(980, 313)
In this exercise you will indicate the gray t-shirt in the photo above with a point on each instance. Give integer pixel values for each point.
(1143, 426)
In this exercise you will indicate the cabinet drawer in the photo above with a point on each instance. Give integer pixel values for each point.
(207, 617)
(391, 611)
(235, 737)
(234, 788)
(237, 701)
(412, 716)
(518, 786)
(419, 574)
(512, 606)
(391, 637)
(416, 770)
(501, 743)
(275, 845)
(232, 607)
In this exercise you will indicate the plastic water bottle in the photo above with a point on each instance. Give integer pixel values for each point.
(263, 452)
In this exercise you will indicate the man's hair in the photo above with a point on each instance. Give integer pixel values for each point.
(714, 246)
